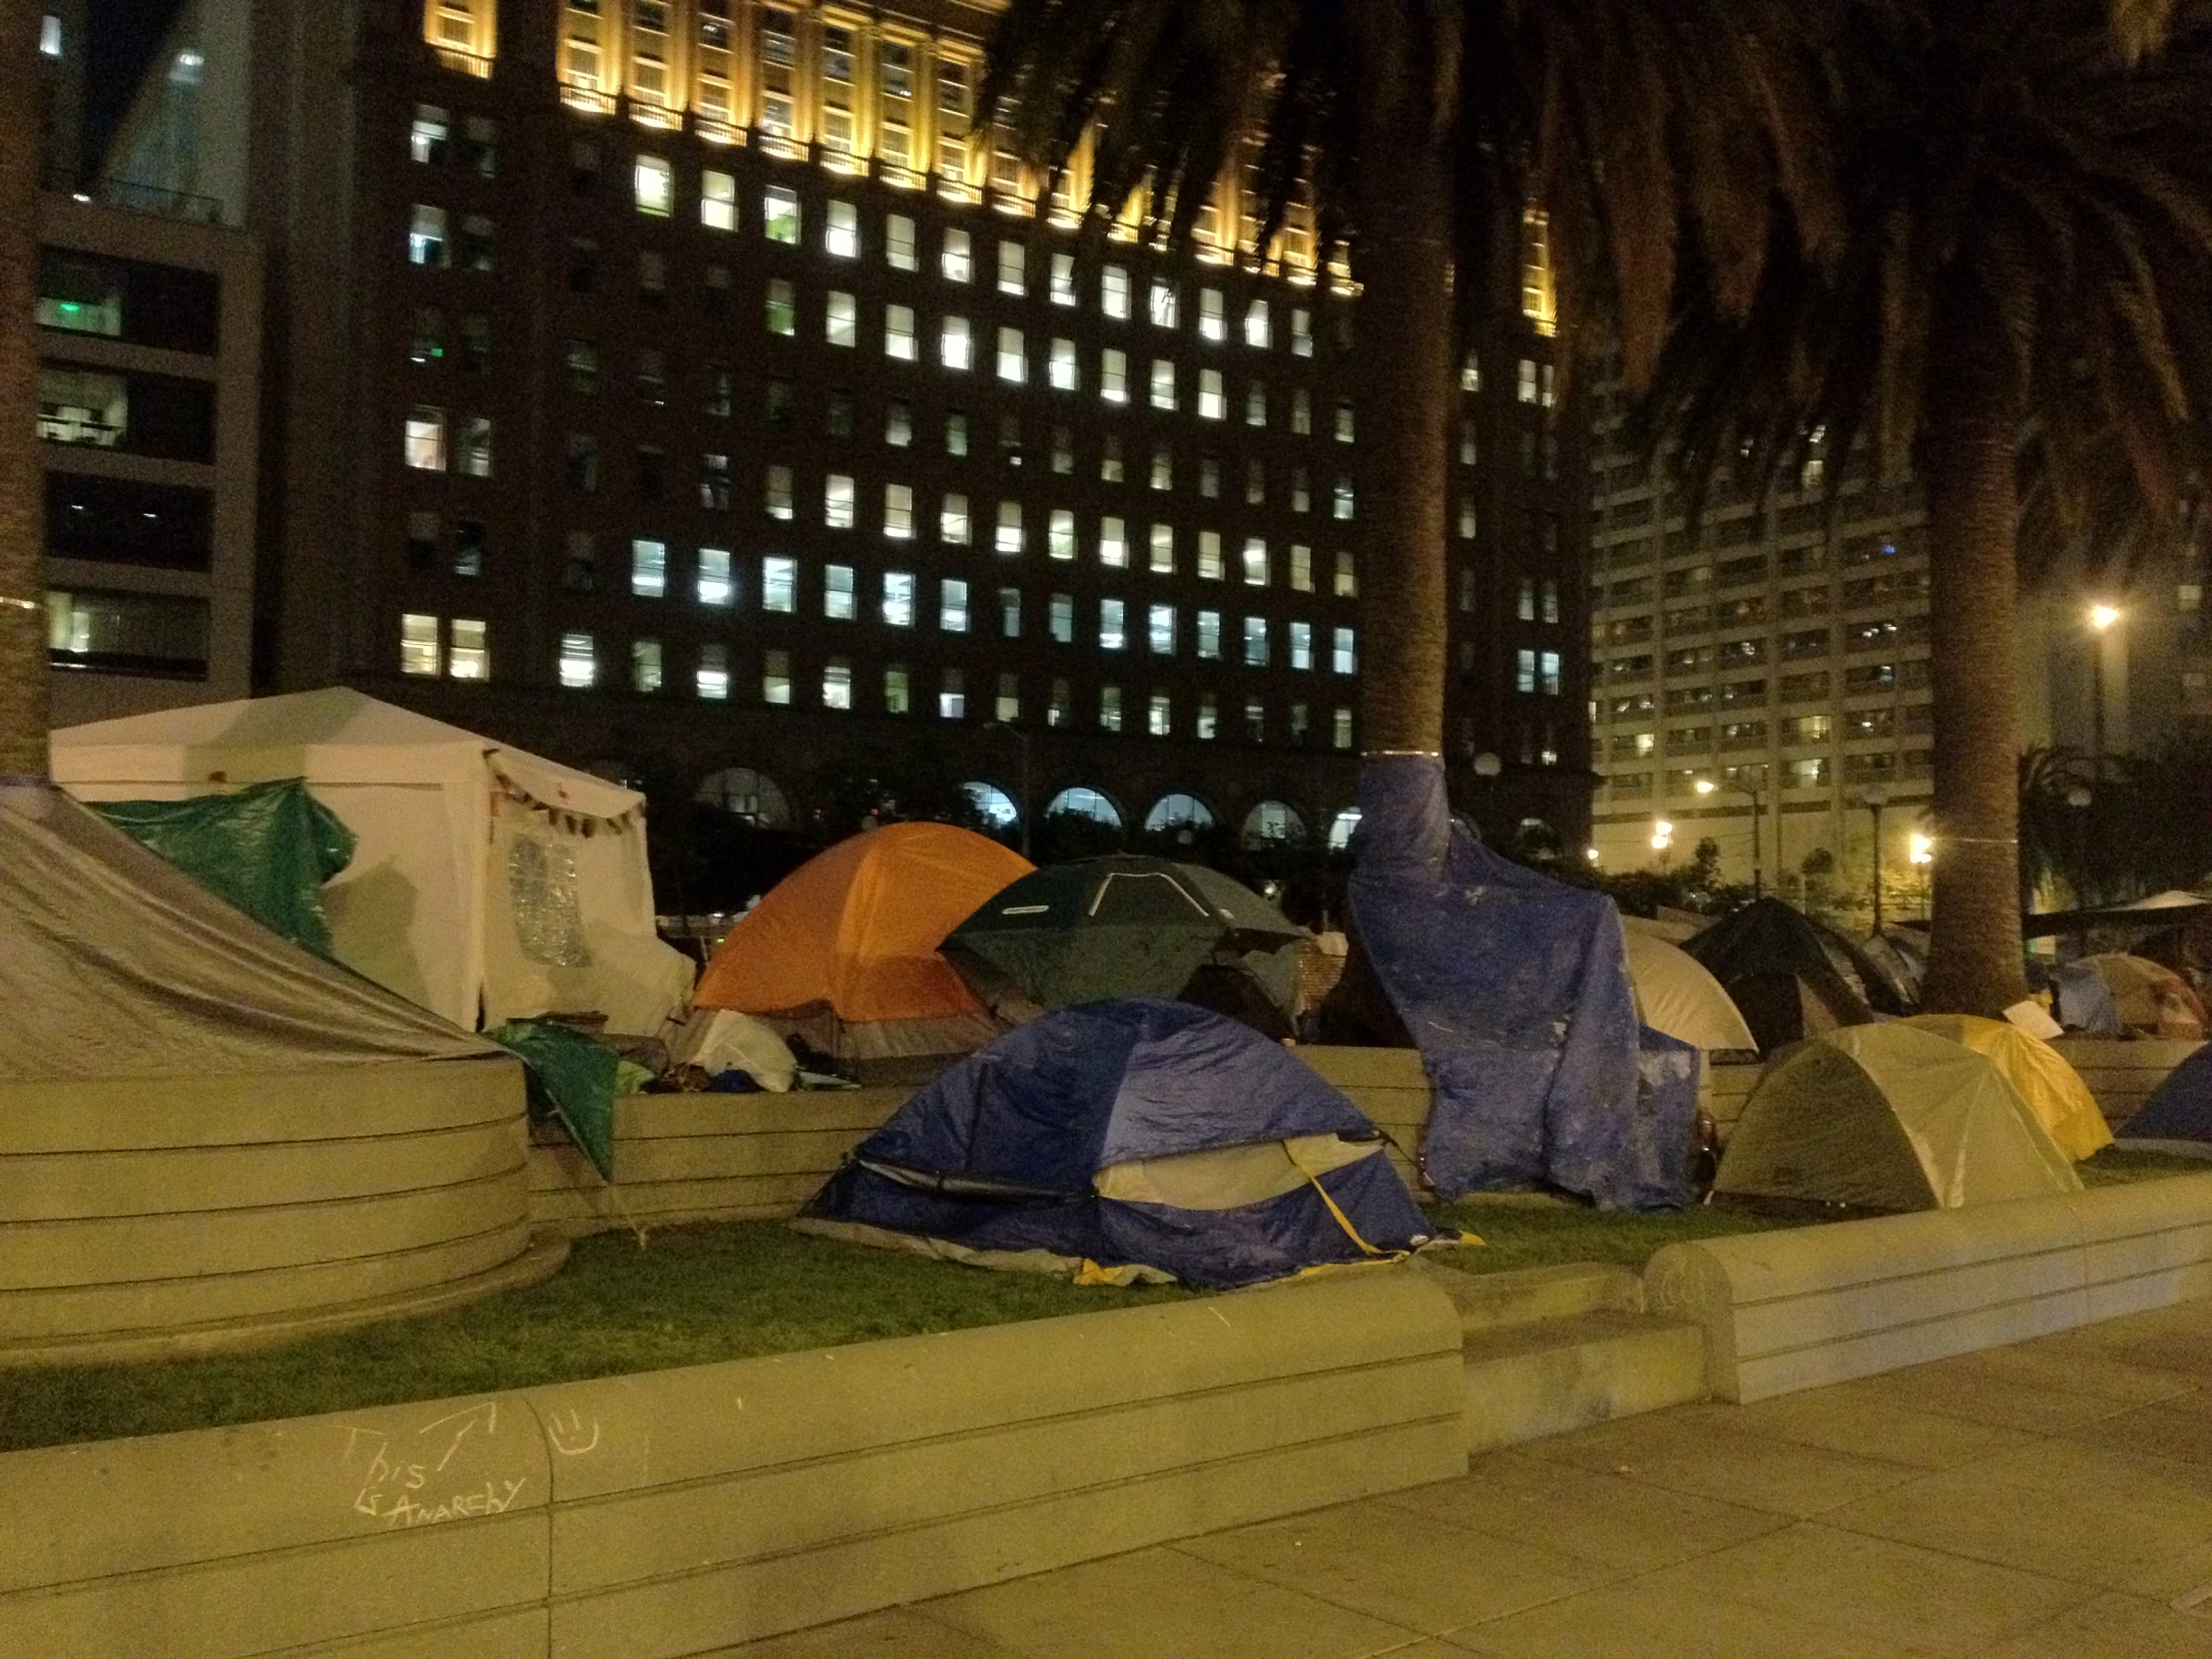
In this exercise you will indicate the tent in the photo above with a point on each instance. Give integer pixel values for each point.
(1887, 1117)
(1787, 979)
(1514, 988)
(2052, 1089)
(842, 952)
(2177, 1118)
(486, 884)
(1675, 994)
(1131, 926)
(1126, 1140)
(2113, 994)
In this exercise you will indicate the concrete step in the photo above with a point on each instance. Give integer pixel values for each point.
(1525, 1381)
(1493, 1301)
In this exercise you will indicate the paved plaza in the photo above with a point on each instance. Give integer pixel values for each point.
(2050, 1500)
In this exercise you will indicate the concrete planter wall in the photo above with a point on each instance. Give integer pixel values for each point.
(2122, 1075)
(679, 1512)
(1800, 1308)
(173, 1216)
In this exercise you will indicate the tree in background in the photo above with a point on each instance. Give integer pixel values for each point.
(23, 671)
(2017, 302)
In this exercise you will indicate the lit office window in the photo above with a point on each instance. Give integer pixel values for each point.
(1525, 384)
(1163, 384)
(1211, 567)
(952, 696)
(1014, 366)
(648, 568)
(1302, 332)
(897, 608)
(579, 662)
(1162, 303)
(1301, 569)
(1163, 550)
(1213, 316)
(1113, 625)
(1256, 642)
(1341, 499)
(837, 501)
(897, 690)
(1255, 563)
(1013, 269)
(425, 139)
(1256, 404)
(645, 665)
(1009, 538)
(841, 231)
(715, 584)
(1159, 716)
(1339, 728)
(1060, 534)
(779, 215)
(779, 584)
(1548, 676)
(1061, 619)
(899, 333)
(1113, 293)
(1113, 543)
(841, 320)
(1063, 279)
(898, 512)
(1301, 646)
(954, 348)
(783, 308)
(1344, 429)
(1113, 375)
(953, 605)
(776, 678)
(1344, 656)
(1160, 630)
(1109, 708)
(418, 645)
(470, 656)
(654, 186)
(1009, 613)
(1258, 333)
(837, 600)
(717, 201)
(1348, 578)
(1009, 698)
(901, 247)
(776, 483)
(710, 681)
(837, 683)
(424, 444)
(952, 521)
(426, 241)
(957, 260)
(1064, 374)
(1212, 402)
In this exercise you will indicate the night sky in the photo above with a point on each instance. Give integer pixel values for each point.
(124, 34)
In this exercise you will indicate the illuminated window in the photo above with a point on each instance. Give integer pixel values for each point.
(1255, 563)
(899, 333)
(955, 350)
(425, 439)
(840, 319)
(901, 249)
(1258, 333)
(1163, 550)
(425, 139)
(1113, 625)
(1113, 375)
(1009, 538)
(837, 501)
(1163, 384)
(783, 307)
(470, 655)
(779, 584)
(1301, 646)
(776, 678)
(1343, 657)
(1063, 373)
(1113, 544)
(953, 605)
(1348, 580)
(579, 662)
(1109, 709)
(952, 521)
(1014, 366)
(1160, 630)
(652, 186)
(898, 512)
(715, 585)
(952, 696)
(1063, 279)
(1161, 307)
(897, 690)
(1013, 264)
(1211, 567)
(418, 645)
(894, 81)
(957, 260)
(837, 683)
(711, 680)
(648, 568)
(1213, 403)
(837, 593)
(645, 665)
(1113, 293)
(777, 482)
(956, 113)
(779, 215)
(1539, 301)
(1256, 642)
(897, 609)
(1060, 534)
(426, 241)
(840, 232)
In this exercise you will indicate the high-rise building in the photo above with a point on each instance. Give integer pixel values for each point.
(699, 381)
(1761, 682)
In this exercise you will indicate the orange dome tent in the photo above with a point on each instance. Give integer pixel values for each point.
(842, 952)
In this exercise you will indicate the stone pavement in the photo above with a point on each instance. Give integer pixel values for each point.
(2050, 1500)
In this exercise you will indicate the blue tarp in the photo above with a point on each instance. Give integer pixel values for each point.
(2083, 1002)
(2179, 1110)
(1002, 1152)
(1516, 989)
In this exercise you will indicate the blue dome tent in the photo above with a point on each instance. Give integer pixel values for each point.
(2177, 1118)
(1125, 1140)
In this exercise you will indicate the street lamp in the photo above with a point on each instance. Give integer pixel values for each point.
(1021, 739)
(2078, 797)
(1486, 768)
(1874, 797)
(1662, 838)
(2102, 619)
(1706, 786)
(1921, 853)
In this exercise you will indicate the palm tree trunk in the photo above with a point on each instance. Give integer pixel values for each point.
(23, 668)
(1972, 431)
(1403, 258)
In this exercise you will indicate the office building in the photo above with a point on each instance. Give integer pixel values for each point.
(699, 383)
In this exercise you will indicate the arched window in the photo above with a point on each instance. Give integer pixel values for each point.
(749, 797)
(1178, 812)
(1086, 803)
(1273, 824)
(1340, 828)
(994, 803)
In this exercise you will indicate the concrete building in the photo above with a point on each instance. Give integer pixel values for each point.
(149, 378)
(1779, 658)
(698, 379)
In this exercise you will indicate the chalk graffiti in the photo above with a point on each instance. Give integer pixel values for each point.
(402, 1509)
(399, 1469)
(570, 1436)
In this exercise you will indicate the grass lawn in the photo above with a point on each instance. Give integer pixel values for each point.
(2116, 1166)
(729, 1291)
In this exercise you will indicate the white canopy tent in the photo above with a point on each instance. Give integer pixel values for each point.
(485, 877)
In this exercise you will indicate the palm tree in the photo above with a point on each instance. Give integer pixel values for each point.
(22, 483)
(2015, 304)
(1423, 128)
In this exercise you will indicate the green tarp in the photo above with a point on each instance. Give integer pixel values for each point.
(268, 848)
(572, 1077)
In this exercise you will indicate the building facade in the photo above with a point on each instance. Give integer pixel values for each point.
(149, 380)
(1777, 657)
(699, 379)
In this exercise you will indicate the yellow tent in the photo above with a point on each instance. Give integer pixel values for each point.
(2053, 1090)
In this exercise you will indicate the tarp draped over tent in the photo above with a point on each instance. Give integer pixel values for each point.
(2177, 1118)
(1131, 926)
(116, 964)
(573, 1079)
(842, 952)
(268, 848)
(1136, 1136)
(486, 880)
(1516, 989)
(1887, 1117)
(2051, 1088)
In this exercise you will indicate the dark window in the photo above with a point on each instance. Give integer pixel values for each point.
(118, 521)
(651, 472)
(468, 547)
(127, 633)
(783, 403)
(583, 462)
(840, 418)
(476, 345)
(721, 390)
(145, 305)
(582, 266)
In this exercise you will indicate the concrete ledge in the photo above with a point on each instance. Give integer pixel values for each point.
(1800, 1308)
(705, 1157)
(678, 1511)
(1391, 1086)
(133, 1210)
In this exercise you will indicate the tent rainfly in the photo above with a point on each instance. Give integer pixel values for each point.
(2177, 1118)
(842, 952)
(1122, 1141)
(1887, 1117)
(1676, 995)
(1789, 978)
(2052, 1089)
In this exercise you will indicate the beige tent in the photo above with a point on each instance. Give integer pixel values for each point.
(484, 877)
(1676, 995)
(1887, 1117)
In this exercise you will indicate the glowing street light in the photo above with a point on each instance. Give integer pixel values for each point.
(1662, 836)
(1706, 786)
(2102, 619)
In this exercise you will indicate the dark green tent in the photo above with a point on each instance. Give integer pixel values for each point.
(1130, 926)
